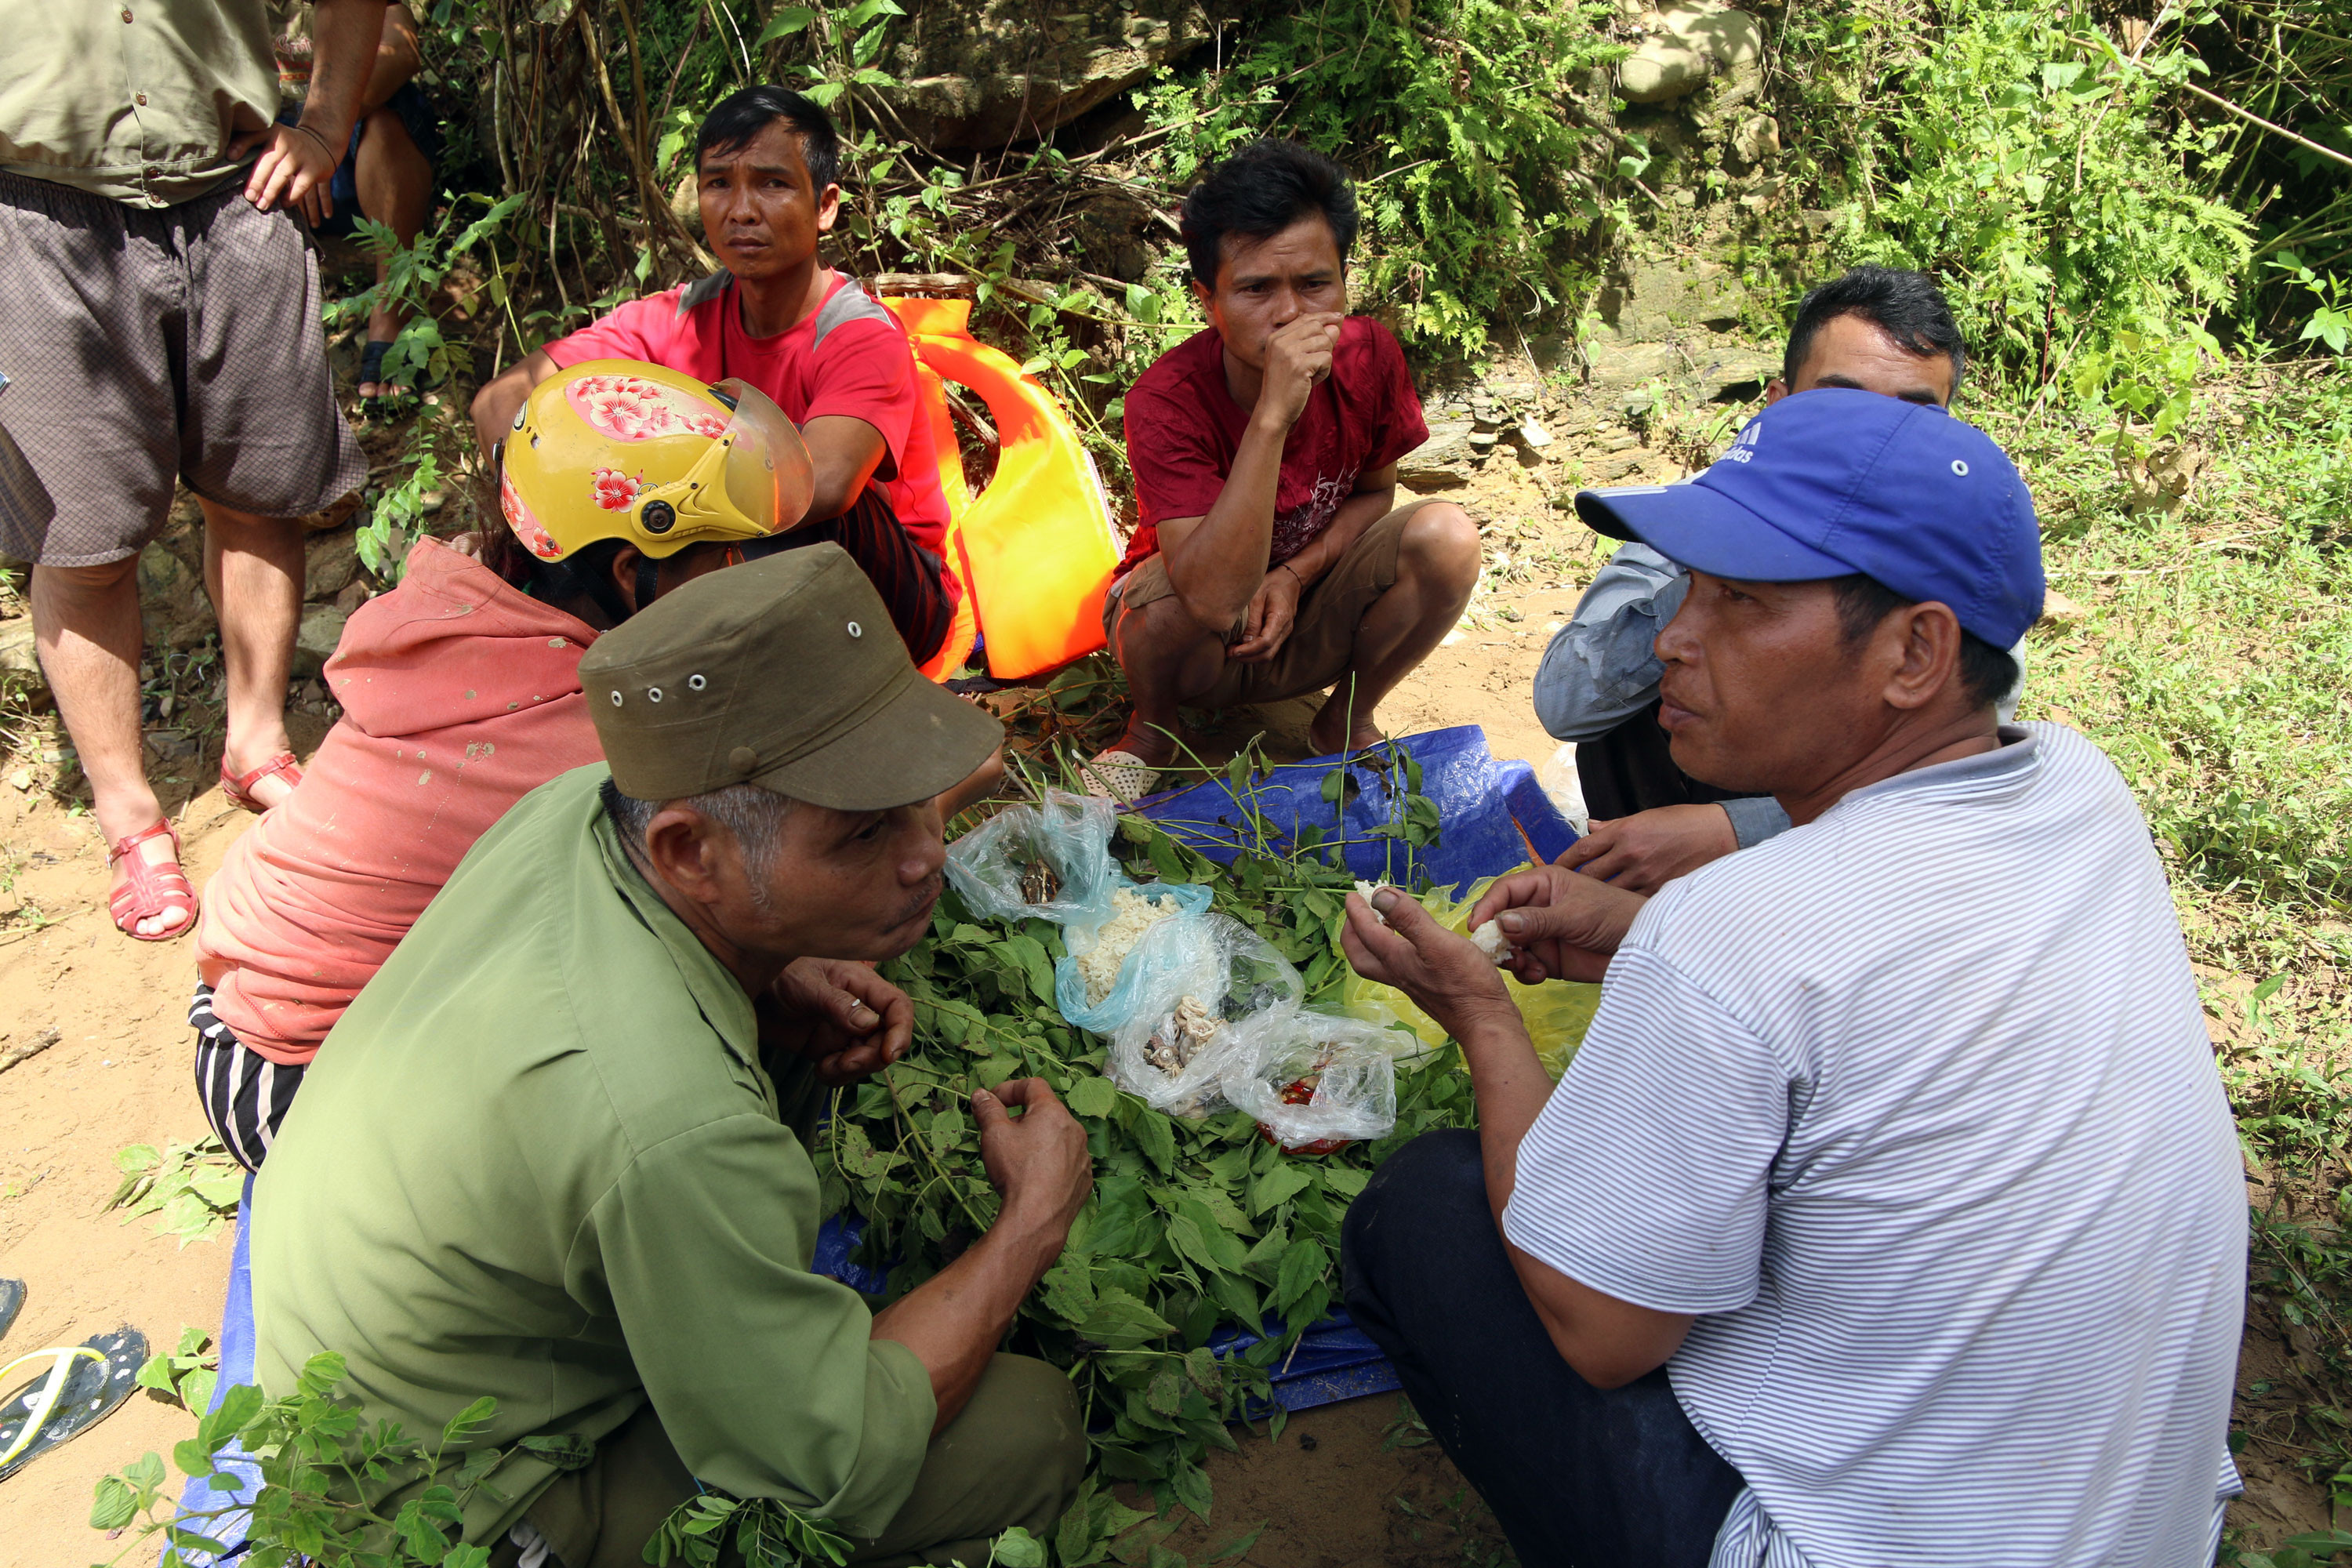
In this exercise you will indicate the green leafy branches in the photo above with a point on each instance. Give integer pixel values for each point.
(393, 517)
(1194, 1226)
(1453, 114)
(769, 1534)
(2326, 296)
(2043, 178)
(317, 1458)
(413, 276)
(846, 45)
(2306, 1550)
(321, 1463)
(185, 1373)
(192, 1189)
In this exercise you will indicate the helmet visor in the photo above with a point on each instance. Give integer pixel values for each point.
(767, 473)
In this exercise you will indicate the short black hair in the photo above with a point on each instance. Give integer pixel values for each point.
(1909, 307)
(1862, 601)
(1260, 191)
(739, 116)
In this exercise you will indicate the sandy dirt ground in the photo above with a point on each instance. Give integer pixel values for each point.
(1327, 1490)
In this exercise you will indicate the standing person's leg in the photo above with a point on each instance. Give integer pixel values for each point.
(253, 570)
(85, 626)
(394, 182)
(1436, 568)
(91, 317)
(1575, 1474)
(262, 444)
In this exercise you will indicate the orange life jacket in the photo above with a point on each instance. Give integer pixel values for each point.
(1035, 549)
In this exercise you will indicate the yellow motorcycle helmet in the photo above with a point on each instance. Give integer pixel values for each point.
(613, 448)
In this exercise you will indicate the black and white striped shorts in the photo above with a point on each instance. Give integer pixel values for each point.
(246, 1095)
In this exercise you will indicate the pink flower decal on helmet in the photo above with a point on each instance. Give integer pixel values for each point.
(632, 409)
(614, 491)
(526, 527)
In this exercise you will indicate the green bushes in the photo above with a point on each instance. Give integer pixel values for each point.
(2288, 62)
(1454, 117)
(2034, 168)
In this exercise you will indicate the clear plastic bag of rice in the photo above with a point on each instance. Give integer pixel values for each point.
(1049, 861)
(1113, 953)
(1313, 1081)
(1203, 975)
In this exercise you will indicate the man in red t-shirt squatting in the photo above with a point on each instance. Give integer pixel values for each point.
(835, 362)
(1271, 559)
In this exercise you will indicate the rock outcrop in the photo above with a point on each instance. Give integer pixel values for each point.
(986, 74)
(1690, 43)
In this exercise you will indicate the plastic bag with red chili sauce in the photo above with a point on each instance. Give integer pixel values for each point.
(1314, 1081)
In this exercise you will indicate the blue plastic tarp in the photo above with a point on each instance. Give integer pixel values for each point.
(1333, 1360)
(1491, 817)
(235, 1346)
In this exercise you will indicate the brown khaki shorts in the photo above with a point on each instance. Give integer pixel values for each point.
(144, 344)
(1321, 642)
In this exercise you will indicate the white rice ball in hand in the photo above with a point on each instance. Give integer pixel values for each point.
(1489, 940)
(1365, 891)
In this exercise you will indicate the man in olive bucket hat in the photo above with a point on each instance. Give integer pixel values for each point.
(557, 1151)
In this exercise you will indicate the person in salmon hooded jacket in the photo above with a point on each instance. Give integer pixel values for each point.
(460, 692)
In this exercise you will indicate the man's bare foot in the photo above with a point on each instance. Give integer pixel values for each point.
(1149, 745)
(1323, 736)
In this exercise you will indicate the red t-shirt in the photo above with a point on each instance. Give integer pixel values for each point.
(1183, 429)
(850, 356)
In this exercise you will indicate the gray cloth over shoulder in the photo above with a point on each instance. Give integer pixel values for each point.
(1602, 669)
(1599, 669)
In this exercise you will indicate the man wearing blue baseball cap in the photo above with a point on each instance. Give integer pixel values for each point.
(1880, 329)
(1890, 1211)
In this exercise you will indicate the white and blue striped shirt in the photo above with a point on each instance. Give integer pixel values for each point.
(1914, 1105)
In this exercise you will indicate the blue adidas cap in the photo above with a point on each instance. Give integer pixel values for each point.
(1835, 481)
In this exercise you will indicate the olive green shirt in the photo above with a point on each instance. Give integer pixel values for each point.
(134, 100)
(539, 1159)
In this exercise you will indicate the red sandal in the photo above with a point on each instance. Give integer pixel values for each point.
(147, 889)
(238, 787)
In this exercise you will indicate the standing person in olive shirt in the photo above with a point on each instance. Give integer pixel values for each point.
(159, 322)
(556, 1152)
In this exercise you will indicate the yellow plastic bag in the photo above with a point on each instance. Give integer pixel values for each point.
(1557, 1012)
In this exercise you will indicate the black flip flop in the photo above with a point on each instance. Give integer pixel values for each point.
(372, 358)
(93, 1388)
(12, 1301)
(371, 369)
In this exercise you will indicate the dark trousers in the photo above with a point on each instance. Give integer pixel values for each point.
(1575, 1475)
(1014, 1455)
(1629, 769)
(910, 579)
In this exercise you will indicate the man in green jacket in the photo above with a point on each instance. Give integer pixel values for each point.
(557, 1151)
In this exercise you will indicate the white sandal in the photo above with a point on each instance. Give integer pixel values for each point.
(1118, 776)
